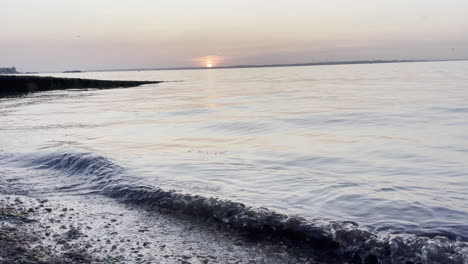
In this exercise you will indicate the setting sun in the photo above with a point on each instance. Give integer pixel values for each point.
(208, 61)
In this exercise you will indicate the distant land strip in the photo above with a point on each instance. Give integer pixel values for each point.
(281, 65)
(19, 84)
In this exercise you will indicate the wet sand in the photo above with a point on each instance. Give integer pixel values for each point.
(94, 229)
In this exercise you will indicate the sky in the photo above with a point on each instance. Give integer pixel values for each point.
(58, 35)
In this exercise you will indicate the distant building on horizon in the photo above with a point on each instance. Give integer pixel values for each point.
(11, 70)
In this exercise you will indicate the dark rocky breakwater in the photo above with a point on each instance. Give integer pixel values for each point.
(17, 85)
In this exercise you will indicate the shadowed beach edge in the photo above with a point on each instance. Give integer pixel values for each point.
(18, 85)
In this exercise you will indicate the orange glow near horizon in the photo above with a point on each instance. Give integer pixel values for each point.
(208, 61)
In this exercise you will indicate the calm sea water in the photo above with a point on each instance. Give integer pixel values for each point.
(383, 145)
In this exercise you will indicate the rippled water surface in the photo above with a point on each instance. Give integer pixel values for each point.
(384, 145)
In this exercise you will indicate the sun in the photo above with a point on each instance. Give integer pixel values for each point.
(208, 61)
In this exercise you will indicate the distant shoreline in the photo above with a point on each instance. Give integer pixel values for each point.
(278, 65)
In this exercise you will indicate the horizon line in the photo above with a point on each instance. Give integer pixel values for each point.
(323, 63)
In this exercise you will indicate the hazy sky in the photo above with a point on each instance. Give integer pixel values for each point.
(56, 35)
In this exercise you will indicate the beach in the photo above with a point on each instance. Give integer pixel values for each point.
(39, 230)
(305, 164)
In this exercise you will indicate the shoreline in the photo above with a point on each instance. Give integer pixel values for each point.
(179, 226)
(12, 85)
(96, 230)
(23, 238)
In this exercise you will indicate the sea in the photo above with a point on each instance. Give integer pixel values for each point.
(381, 148)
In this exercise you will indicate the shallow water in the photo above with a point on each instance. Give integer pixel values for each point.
(383, 145)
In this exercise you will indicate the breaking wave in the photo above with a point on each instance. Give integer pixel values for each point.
(341, 239)
(87, 164)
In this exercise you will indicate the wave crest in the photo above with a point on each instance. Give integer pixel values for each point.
(341, 239)
(77, 163)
